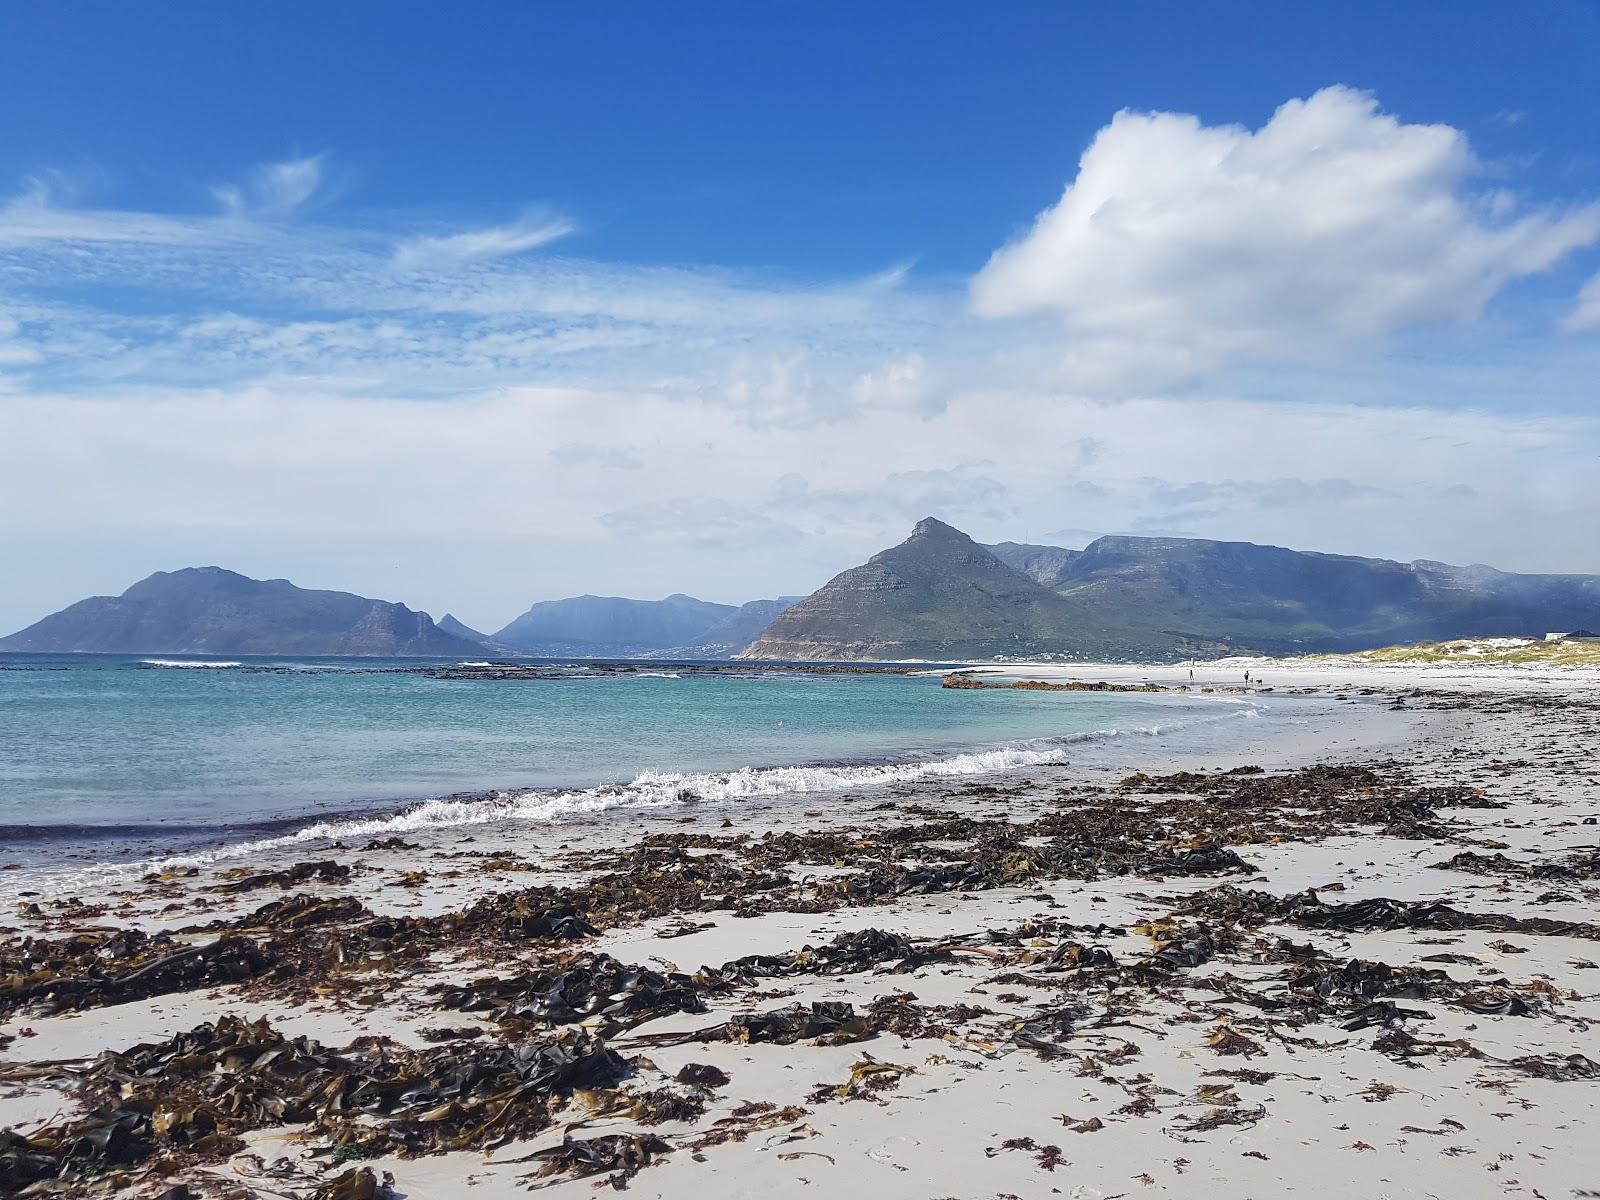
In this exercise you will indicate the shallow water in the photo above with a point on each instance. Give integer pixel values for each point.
(101, 748)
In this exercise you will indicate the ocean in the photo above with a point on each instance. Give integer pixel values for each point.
(114, 756)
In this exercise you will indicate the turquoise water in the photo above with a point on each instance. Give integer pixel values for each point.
(94, 748)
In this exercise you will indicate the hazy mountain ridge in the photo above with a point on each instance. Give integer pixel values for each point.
(1278, 600)
(208, 610)
(938, 595)
(1042, 564)
(451, 624)
(741, 628)
(1160, 598)
(678, 626)
(579, 626)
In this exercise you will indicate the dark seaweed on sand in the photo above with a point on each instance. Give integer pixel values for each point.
(550, 1020)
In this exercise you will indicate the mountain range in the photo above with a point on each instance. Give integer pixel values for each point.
(938, 595)
(207, 610)
(616, 626)
(595, 626)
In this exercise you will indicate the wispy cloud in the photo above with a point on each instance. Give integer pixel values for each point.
(41, 213)
(702, 522)
(226, 300)
(273, 190)
(495, 241)
(1586, 314)
(46, 209)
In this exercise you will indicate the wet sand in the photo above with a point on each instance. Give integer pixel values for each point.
(1087, 982)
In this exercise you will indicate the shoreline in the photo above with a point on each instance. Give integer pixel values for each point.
(1005, 1067)
(74, 847)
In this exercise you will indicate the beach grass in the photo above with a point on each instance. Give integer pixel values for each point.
(1484, 651)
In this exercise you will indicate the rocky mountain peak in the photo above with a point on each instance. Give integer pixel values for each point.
(930, 528)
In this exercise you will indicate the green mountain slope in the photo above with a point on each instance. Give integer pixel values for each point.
(937, 595)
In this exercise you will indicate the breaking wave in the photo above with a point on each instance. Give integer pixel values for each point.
(666, 789)
(178, 663)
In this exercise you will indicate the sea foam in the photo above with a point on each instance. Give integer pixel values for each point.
(178, 663)
(668, 789)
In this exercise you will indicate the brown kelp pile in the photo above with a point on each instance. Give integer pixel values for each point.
(296, 939)
(593, 987)
(195, 1092)
(43, 977)
(959, 679)
(1307, 909)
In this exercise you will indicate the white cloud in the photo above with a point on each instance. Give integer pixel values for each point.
(1587, 313)
(1181, 246)
(14, 352)
(496, 241)
(730, 511)
(960, 493)
(42, 213)
(47, 210)
(610, 458)
(273, 189)
(903, 382)
(205, 385)
(701, 522)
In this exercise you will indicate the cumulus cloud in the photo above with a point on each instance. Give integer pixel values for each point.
(1180, 246)
(903, 382)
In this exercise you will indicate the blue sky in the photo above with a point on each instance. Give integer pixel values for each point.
(471, 308)
(813, 138)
